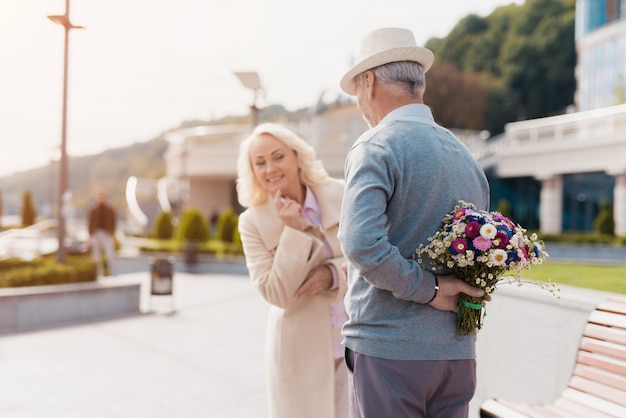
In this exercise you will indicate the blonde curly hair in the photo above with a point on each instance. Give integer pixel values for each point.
(249, 190)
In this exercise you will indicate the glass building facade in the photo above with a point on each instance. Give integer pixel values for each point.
(601, 44)
(583, 193)
(595, 14)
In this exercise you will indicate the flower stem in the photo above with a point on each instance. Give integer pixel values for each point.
(470, 315)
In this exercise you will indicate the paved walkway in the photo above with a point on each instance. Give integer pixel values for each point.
(203, 360)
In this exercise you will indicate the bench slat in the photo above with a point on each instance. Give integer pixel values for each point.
(594, 403)
(560, 412)
(608, 318)
(598, 390)
(608, 349)
(598, 375)
(492, 408)
(574, 409)
(516, 409)
(605, 363)
(613, 304)
(599, 332)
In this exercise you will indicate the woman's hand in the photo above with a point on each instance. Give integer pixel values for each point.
(319, 280)
(289, 211)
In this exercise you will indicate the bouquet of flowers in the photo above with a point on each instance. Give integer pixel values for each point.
(479, 247)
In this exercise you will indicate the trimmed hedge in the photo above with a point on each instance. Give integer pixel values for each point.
(44, 271)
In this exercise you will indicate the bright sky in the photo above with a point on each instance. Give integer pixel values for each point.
(141, 67)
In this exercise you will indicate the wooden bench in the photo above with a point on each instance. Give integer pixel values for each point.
(597, 387)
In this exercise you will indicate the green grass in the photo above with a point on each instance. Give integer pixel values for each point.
(608, 278)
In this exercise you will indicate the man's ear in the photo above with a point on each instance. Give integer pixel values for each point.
(368, 83)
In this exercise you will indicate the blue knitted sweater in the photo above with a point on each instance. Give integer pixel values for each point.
(402, 177)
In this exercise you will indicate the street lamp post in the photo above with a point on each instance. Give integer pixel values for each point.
(250, 80)
(63, 20)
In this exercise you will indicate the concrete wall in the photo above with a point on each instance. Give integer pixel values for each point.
(35, 307)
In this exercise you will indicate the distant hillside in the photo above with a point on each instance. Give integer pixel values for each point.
(109, 169)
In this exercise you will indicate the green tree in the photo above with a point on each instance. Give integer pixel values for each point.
(500, 107)
(459, 43)
(605, 221)
(163, 227)
(539, 56)
(29, 214)
(504, 207)
(227, 225)
(193, 226)
(525, 54)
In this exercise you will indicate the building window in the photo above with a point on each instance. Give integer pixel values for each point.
(582, 195)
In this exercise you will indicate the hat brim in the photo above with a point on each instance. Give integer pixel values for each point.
(422, 56)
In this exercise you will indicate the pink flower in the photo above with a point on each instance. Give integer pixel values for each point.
(503, 219)
(525, 251)
(481, 243)
(459, 214)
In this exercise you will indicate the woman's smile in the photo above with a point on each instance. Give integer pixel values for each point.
(275, 166)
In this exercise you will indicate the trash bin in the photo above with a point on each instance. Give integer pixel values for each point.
(162, 278)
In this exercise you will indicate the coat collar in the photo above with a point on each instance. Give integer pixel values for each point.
(329, 196)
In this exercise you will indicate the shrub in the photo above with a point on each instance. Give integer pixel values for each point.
(193, 226)
(28, 209)
(236, 246)
(227, 225)
(46, 271)
(163, 226)
(504, 207)
(605, 222)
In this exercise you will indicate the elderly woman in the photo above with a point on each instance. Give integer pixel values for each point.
(289, 236)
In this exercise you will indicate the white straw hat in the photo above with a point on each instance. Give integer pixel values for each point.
(383, 46)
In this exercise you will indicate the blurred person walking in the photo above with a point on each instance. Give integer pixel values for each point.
(101, 228)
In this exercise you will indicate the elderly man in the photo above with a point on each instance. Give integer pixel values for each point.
(402, 176)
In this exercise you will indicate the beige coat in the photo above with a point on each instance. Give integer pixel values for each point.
(299, 356)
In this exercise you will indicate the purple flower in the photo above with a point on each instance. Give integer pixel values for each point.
(481, 243)
(501, 240)
(458, 246)
(472, 229)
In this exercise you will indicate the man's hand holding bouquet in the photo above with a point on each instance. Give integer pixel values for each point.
(481, 248)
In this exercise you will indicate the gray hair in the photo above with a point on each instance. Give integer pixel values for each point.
(312, 172)
(407, 75)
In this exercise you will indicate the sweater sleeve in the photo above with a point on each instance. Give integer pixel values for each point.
(371, 174)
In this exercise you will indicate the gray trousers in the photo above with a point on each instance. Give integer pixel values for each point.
(381, 388)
